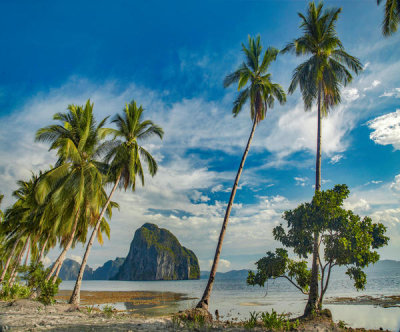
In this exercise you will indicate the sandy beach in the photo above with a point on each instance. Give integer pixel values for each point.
(28, 315)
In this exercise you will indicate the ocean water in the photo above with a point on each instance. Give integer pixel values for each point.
(235, 299)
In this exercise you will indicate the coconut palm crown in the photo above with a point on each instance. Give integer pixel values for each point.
(261, 91)
(391, 17)
(329, 65)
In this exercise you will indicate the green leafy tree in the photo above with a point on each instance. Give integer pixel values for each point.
(320, 79)
(346, 238)
(126, 157)
(254, 82)
(391, 17)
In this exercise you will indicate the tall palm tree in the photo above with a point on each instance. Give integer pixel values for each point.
(320, 79)
(1, 212)
(126, 157)
(391, 17)
(261, 93)
(77, 176)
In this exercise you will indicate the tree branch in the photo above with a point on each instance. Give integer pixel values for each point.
(293, 283)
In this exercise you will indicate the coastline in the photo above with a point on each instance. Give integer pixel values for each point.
(22, 315)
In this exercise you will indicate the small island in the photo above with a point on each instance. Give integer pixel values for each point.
(156, 254)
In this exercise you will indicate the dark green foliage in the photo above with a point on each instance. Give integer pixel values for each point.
(279, 265)
(391, 17)
(346, 238)
(36, 281)
(16, 291)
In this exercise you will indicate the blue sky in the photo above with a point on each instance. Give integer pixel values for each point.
(171, 57)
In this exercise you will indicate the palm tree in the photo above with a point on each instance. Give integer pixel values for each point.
(261, 93)
(391, 17)
(126, 157)
(77, 176)
(320, 79)
(1, 212)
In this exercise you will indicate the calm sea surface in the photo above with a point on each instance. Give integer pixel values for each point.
(234, 299)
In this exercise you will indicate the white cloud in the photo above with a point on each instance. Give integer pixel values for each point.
(374, 84)
(76, 258)
(223, 264)
(351, 94)
(386, 129)
(336, 158)
(296, 130)
(391, 93)
(359, 206)
(373, 182)
(301, 181)
(395, 185)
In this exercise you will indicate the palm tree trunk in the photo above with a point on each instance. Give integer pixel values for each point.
(3, 274)
(207, 292)
(42, 250)
(27, 254)
(57, 271)
(61, 258)
(312, 303)
(17, 264)
(76, 294)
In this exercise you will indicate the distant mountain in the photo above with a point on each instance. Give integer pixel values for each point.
(108, 270)
(70, 270)
(233, 274)
(156, 254)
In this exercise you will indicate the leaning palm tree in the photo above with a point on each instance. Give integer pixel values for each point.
(1, 212)
(125, 156)
(261, 93)
(320, 79)
(391, 17)
(77, 177)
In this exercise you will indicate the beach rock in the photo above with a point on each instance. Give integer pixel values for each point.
(108, 270)
(156, 254)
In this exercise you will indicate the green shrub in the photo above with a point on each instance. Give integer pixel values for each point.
(36, 280)
(252, 321)
(16, 291)
(108, 310)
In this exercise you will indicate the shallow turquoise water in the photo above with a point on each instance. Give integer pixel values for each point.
(233, 298)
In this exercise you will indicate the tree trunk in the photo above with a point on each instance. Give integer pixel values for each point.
(61, 258)
(3, 274)
(17, 264)
(76, 294)
(207, 292)
(312, 303)
(57, 271)
(27, 254)
(42, 250)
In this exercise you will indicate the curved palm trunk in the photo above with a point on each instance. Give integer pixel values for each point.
(17, 264)
(27, 254)
(76, 294)
(207, 292)
(312, 303)
(61, 258)
(57, 271)
(3, 274)
(42, 250)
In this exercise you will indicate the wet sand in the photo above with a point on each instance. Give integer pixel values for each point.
(382, 301)
(135, 298)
